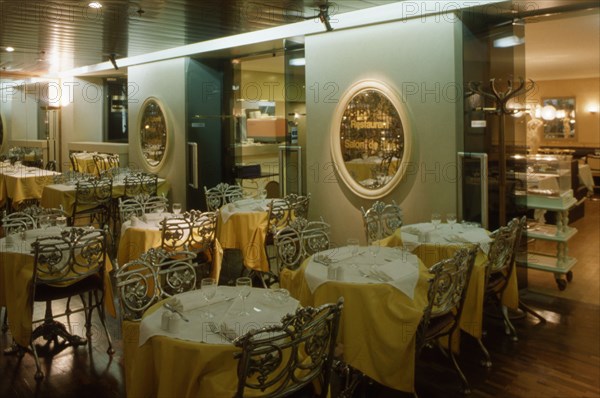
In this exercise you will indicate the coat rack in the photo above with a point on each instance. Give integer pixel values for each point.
(501, 108)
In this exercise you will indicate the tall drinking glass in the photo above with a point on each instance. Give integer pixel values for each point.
(451, 219)
(436, 219)
(208, 288)
(244, 287)
(352, 244)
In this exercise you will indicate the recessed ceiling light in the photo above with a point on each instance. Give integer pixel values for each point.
(95, 4)
(9, 49)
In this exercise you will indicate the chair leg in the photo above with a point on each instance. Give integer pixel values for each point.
(39, 375)
(509, 329)
(5, 320)
(487, 361)
(466, 387)
(351, 378)
(527, 309)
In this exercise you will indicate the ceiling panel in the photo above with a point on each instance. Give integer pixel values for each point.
(53, 36)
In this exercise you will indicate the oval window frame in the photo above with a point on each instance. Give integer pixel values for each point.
(161, 163)
(335, 134)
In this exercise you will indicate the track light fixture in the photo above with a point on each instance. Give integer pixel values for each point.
(113, 61)
(324, 16)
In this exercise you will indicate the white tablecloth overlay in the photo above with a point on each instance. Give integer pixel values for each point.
(243, 206)
(15, 244)
(401, 266)
(263, 312)
(416, 234)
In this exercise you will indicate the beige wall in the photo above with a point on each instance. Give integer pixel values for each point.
(420, 58)
(586, 93)
(165, 81)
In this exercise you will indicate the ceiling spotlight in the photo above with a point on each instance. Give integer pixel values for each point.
(113, 61)
(94, 4)
(9, 49)
(324, 16)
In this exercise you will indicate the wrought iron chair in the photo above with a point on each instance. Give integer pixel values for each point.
(381, 220)
(138, 288)
(299, 240)
(446, 296)
(67, 265)
(154, 204)
(93, 199)
(221, 194)
(140, 184)
(51, 165)
(277, 361)
(499, 268)
(17, 222)
(129, 208)
(195, 232)
(175, 271)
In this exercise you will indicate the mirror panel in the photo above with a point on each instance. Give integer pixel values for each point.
(370, 141)
(153, 133)
(559, 117)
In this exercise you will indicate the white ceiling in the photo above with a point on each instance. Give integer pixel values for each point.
(562, 47)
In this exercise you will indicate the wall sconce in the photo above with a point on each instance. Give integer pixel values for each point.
(592, 108)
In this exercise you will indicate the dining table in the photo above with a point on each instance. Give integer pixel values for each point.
(385, 293)
(140, 234)
(243, 225)
(19, 183)
(433, 243)
(63, 194)
(16, 273)
(166, 356)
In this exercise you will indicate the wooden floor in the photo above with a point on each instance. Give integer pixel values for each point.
(560, 358)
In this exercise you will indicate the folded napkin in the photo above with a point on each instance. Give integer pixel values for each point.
(176, 304)
(411, 230)
(149, 217)
(135, 222)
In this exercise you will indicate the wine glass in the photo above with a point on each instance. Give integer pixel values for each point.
(373, 250)
(352, 243)
(208, 288)
(176, 208)
(451, 219)
(244, 287)
(44, 222)
(436, 219)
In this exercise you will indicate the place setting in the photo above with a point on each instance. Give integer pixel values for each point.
(217, 314)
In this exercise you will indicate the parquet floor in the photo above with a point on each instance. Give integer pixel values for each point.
(560, 358)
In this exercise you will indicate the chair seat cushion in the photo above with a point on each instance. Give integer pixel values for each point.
(47, 292)
(439, 325)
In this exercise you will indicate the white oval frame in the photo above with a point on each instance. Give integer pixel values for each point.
(160, 165)
(336, 152)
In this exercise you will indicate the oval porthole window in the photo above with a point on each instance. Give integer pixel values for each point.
(370, 140)
(154, 133)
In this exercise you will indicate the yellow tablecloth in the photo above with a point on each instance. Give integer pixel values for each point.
(169, 367)
(16, 272)
(246, 231)
(22, 185)
(56, 195)
(136, 241)
(378, 325)
(472, 316)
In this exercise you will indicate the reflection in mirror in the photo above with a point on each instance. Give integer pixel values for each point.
(372, 138)
(559, 117)
(153, 132)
